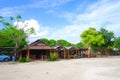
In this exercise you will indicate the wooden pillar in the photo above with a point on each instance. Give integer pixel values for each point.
(64, 53)
(58, 54)
(50, 52)
(76, 53)
(47, 53)
(28, 52)
(68, 54)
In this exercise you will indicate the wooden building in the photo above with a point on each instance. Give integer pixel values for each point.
(61, 52)
(72, 52)
(37, 50)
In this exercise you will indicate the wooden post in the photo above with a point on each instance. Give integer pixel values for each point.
(68, 54)
(50, 53)
(58, 54)
(64, 53)
(76, 53)
(28, 52)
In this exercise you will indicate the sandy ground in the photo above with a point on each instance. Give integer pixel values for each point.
(74, 69)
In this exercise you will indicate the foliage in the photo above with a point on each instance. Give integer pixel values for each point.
(63, 43)
(45, 40)
(24, 60)
(92, 38)
(79, 45)
(117, 43)
(108, 37)
(52, 42)
(12, 35)
(53, 56)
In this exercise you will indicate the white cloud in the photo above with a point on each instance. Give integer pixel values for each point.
(9, 11)
(101, 14)
(27, 24)
(104, 13)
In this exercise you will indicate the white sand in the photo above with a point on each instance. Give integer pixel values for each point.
(74, 69)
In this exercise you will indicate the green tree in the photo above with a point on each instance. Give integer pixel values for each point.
(117, 43)
(108, 37)
(79, 45)
(92, 38)
(52, 42)
(11, 35)
(45, 40)
(63, 43)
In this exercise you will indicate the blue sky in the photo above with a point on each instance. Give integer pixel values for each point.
(64, 19)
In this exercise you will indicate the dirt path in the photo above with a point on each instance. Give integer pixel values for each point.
(75, 69)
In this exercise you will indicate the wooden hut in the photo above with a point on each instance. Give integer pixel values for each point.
(66, 52)
(61, 51)
(37, 50)
(72, 52)
(82, 52)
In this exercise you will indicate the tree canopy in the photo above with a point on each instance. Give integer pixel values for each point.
(108, 37)
(63, 43)
(79, 45)
(92, 38)
(117, 43)
(53, 42)
(50, 42)
(13, 36)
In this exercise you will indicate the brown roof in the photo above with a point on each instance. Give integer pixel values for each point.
(38, 44)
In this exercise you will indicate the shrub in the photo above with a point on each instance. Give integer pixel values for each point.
(24, 60)
(53, 56)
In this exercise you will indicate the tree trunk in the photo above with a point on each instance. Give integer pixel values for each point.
(15, 54)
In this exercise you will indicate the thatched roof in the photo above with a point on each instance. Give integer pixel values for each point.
(38, 44)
